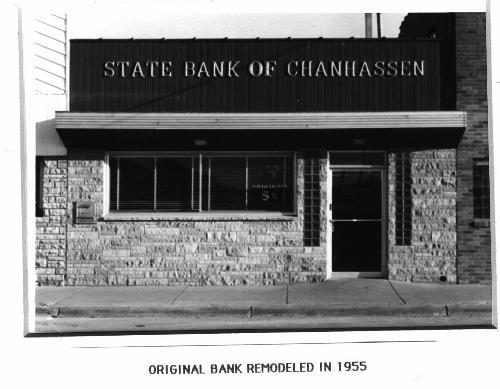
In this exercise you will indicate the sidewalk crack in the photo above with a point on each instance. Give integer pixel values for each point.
(397, 294)
(178, 295)
(69, 297)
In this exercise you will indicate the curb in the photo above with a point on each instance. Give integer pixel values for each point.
(251, 311)
(359, 310)
(127, 311)
(465, 309)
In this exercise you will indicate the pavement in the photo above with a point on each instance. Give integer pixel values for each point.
(336, 298)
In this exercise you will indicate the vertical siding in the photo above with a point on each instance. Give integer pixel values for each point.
(90, 91)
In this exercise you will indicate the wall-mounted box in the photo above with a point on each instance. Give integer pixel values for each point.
(84, 212)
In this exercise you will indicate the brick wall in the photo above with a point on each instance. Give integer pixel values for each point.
(187, 250)
(432, 253)
(474, 256)
(51, 227)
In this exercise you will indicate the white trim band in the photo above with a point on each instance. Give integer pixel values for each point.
(245, 121)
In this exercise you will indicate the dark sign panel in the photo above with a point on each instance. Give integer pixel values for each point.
(270, 75)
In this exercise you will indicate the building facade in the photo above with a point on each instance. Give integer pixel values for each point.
(271, 161)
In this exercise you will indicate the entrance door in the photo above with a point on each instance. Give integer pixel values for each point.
(357, 221)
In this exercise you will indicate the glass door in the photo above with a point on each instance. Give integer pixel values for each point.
(357, 219)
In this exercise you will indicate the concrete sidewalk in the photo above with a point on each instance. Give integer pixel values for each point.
(346, 297)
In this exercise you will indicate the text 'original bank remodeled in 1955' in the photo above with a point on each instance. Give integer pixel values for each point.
(269, 161)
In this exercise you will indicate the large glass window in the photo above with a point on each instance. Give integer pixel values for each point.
(174, 184)
(135, 184)
(195, 183)
(227, 183)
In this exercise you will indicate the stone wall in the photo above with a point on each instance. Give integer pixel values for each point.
(474, 236)
(51, 226)
(188, 250)
(432, 254)
(234, 249)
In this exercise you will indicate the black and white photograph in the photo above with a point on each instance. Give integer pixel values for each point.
(263, 183)
(195, 177)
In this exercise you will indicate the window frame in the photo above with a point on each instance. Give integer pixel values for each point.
(199, 155)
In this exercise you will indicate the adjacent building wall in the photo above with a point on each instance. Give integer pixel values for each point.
(474, 236)
(48, 43)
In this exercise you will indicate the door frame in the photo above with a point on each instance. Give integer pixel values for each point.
(330, 274)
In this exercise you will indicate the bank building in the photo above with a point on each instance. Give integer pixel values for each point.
(270, 161)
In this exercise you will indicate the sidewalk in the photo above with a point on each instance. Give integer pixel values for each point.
(346, 297)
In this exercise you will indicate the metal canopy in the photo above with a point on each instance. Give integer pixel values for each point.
(266, 131)
(260, 121)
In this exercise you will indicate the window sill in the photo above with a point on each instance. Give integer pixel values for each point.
(208, 216)
(480, 223)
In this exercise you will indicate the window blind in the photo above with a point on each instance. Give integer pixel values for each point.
(202, 183)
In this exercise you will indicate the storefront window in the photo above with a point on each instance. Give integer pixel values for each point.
(269, 183)
(228, 183)
(199, 183)
(135, 184)
(174, 179)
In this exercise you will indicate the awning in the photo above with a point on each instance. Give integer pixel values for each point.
(116, 131)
